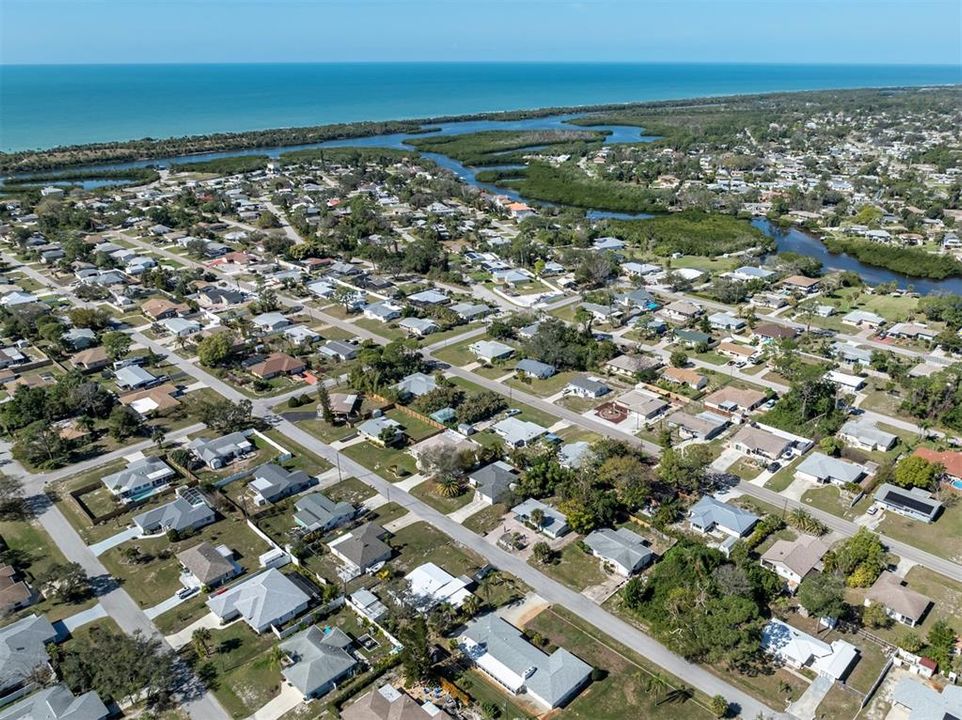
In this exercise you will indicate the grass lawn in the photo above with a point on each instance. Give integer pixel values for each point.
(245, 679)
(414, 428)
(386, 513)
(325, 431)
(349, 490)
(382, 459)
(575, 568)
(630, 682)
(486, 519)
(33, 552)
(155, 577)
(744, 469)
(784, 477)
(458, 354)
(829, 499)
(543, 388)
(483, 690)
(420, 543)
(426, 492)
(303, 459)
(942, 537)
(534, 415)
(449, 334)
(183, 615)
(388, 330)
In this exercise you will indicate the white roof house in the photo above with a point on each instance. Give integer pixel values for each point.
(822, 468)
(269, 598)
(430, 585)
(491, 350)
(518, 433)
(501, 651)
(800, 650)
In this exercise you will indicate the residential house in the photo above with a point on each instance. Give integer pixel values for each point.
(429, 586)
(631, 366)
(500, 651)
(15, 593)
(367, 604)
(742, 354)
(681, 311)
(771, 332)
(799, 650)
(912, 331)
(382, 311)
(134, 377)
(801, 284)
(162, 309)
(950, 460)
(586, 387)
(338, 350)
(301, 335)
(139, 479)
(866, 435)
(187, 512)
(315, 512)
(708, 515)
(23, 649)
(535, 369)
(693, 338)
(317, 660)
(415, 385)
(419, 327)
(518, 433)
(266, 599)
(270, 322)
(216, 298)
(755, 441)
(821, 468)
(95, 358)
(732, 401)
(860, 318)
(152, 401)
(469, 312)
(645, 406)
(388, 703)
(916, 700)
(220, 452)
(793, 560)
(625, 551)
(342, 405)
(726, 321)
(917, 504)
(493, 482)
(80, 338)
(361, 549)
(705, 426)
(272, 483)
(900, 602)
(490, 350)
(553, 522)
(449, 443)
(181, 327)
(381, 430)
(207, 566)
(429, 297)
(685, 376)
(851, 383)
(747, 273)
(57, 703)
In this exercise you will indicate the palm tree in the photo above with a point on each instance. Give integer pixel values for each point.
(275, 658)
(201, 640)
(470, 606)
(448, 486)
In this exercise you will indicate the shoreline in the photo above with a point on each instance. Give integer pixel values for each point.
(139, 150)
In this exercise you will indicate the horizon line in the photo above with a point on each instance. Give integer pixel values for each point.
(492, 62)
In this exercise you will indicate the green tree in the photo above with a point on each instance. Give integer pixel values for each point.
(123, 422)
(416, 655)
(874, 616)
(67, 581)
(916, 471)
(822, 595)
(116, 344)
(941, 639)
(718, 706)
(678, 358)
(214, 349)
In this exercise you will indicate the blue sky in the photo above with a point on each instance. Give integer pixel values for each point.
(776, 31)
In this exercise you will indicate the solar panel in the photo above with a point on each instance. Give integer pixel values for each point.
(910, 502)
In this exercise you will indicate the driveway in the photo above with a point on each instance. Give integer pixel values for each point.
(288, 699)
(82, 618)
(162, 607)
(805, 707)
(463, 513)
(113, 541)
(180, 638)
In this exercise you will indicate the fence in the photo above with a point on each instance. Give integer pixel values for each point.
(308, 620)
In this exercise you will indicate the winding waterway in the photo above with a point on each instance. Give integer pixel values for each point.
(790, 240)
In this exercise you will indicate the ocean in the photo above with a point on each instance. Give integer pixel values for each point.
(49, 105)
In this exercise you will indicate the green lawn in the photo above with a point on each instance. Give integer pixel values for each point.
(155, 577)
(426, 492)
(631, 681)
(829, 499)
(458, 354)
(744, 469)
(382, 459)
(414, 428)
(349, 490)
(575, 568)
(182, 615)
(486, 519)
(784, 477)
(543, 388)
(245, 678)
(942, 537)
(33, 552)
(420, 543)
(325, 431)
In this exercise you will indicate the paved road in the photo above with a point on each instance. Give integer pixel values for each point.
(549, 589)
(845, 527)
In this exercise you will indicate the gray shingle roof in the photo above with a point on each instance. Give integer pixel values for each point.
(708, 512)
(57, 703)
(318, 658)
(316, 511)
(620, 546)
(23, 647)
(189, 510)
(824, 468)
(138, 473)
(552, 678)
(260, 600)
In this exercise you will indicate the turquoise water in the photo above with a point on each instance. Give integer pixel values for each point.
(45, 106)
